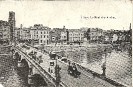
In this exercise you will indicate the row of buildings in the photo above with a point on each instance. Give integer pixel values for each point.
(96, 35)
(39, 34)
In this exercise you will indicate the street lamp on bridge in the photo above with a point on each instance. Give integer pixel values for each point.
(57, 75)
(104, 64)
(57, 68)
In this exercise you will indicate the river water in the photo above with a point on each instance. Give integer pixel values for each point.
(118, 64)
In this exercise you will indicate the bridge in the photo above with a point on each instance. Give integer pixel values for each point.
(34, 67)
(87, 78)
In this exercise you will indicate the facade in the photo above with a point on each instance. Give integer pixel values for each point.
(63, 36)
(37, 34)
(17, 33)
(95, 34)
(26, 34)
(109, 36)
(22, 33)
(75, 35)
(58, 35)
(40, 34)
(7, 28)
(4, 30)
(53, 36)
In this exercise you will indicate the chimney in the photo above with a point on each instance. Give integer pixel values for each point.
(63, 27)
(21, 26)
(130, 26)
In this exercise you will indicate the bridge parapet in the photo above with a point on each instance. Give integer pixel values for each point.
(48, 77)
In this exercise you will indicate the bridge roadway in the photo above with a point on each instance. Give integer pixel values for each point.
(86, 79)
(48, 77)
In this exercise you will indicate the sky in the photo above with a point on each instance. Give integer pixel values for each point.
(71, 14)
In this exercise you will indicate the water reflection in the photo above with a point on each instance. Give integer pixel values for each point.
(118, 64)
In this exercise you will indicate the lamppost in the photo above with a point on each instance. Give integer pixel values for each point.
(57, 74)
(104, 64)
(57, 68)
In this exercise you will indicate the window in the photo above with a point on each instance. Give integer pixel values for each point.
(44, 32)
(47, 36)
(37, 36)
(41, 41)
(44, 36)
(41, 36)
(41, 32)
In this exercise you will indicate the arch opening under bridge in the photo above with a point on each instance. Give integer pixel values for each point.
(28, 71)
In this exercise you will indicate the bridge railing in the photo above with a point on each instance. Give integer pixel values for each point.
(40, 69)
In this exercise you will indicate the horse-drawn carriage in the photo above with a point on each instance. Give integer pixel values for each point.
(72, 70)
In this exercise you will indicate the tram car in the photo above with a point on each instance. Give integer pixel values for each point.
(52, 55)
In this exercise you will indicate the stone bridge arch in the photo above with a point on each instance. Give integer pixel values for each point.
(38, 80)
(27, 70)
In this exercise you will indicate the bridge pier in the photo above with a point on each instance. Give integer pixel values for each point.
(26, 69)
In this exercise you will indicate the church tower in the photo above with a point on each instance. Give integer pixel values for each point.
(12, 21)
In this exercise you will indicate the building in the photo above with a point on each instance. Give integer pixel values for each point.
(22, 33)
(95, 34)
(75, 36)
(17, 33)
(4, 30)
(7, 28)
(25, 34)
(63, 37)
(39, 34)
(53, 36)
(58, 35)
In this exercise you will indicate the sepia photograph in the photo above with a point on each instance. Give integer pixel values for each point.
(56, 43)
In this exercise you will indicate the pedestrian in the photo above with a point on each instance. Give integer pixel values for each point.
(69, 62)
(74, 67)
